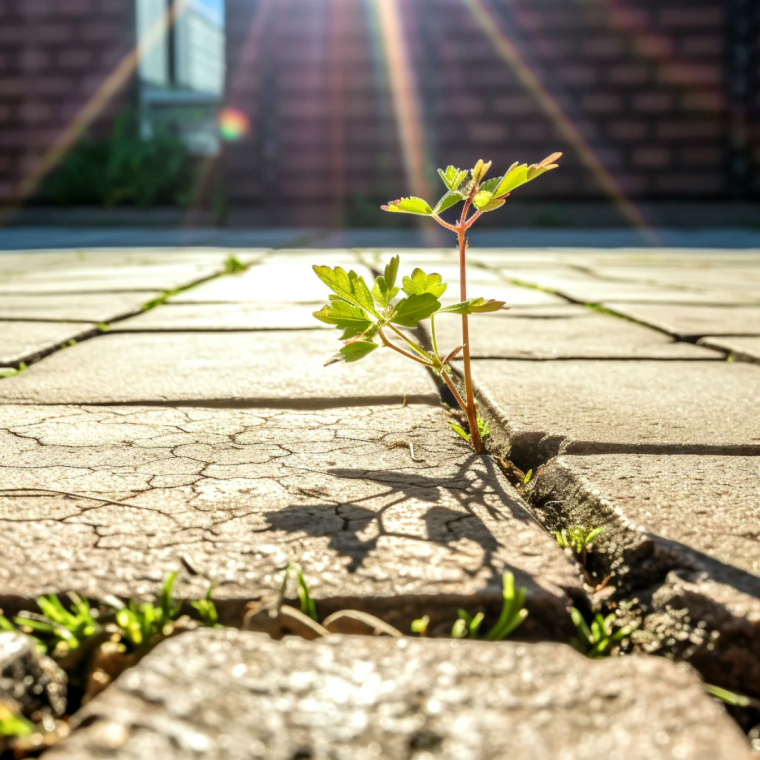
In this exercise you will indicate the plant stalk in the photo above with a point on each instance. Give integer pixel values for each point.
(472, 416)
(454, 391)
(388, 343)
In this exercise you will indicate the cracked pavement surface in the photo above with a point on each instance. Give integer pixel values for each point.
(233, 495)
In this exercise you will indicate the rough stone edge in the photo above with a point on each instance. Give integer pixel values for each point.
(724, 344)
(89, 330)
(673, 587)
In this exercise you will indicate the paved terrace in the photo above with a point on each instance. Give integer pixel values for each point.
(204, 435)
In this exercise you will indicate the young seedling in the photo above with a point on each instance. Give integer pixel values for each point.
(233, 265)
(578, 540)
(420, 625)
(512, 615)
(371, 318)
(57, 629)
(597, 639)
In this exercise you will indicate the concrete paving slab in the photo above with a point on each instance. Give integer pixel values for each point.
(359, 697)
(28, 341)
(708, 277)
(109, 500)
(584, 288)
(690, 322)
(258, 369)
(690, 511)
(222, 316)
(116, 279)
(285, 281)
(576, 332)
(743, 348)
(110, 259)
(690, 521)
(482, 283)
(79, 307)
(595, 406)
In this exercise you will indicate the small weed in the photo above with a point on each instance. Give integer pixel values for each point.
(206, 610)
(578, 540)
(512, 615)
(103, 327)
(460, 431)
(161, 300)
(512, 611)
(466, 625)
(420, 625)
(599, 309)
(69, 343)
(597, 639)
(484, 429)
(307, 605)
(731, 697)
(232, 265)
(370, 317)
(11, 371)
(94, 643)
(528, 476)
(144, 624)
(56, 629)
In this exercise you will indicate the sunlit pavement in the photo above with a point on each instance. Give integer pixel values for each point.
(161, 413)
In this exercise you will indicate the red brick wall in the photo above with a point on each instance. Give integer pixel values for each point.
(646, 83)
(54, 55)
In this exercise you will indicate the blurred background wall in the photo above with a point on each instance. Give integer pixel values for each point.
(314, 112)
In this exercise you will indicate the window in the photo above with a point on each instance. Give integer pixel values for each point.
(181, 47)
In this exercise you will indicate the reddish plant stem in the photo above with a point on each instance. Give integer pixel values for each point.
(472, 416)
(454, 391)
(401, 350)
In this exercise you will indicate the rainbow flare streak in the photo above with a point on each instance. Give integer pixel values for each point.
(507, 50)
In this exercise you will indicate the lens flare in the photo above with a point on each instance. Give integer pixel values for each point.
(504, 46)
(233, 124)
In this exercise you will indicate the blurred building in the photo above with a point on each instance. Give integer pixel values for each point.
(338, 105)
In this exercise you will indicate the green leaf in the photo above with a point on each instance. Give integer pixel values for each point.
(493, 205)
(459, 629)
(409, 206)
(528, 476)
(519, 175)
(452, 177)
(482, 199)
(448, 200)
(351, 319)
(420, 283)
(475, 624)
(307, 603)
(353, 351)
(460, 431)
(474, 306)
(490, 185)
(516, 176)
(420, 625)
(409, 311)
(592, 534)
(349, 286)
(391, 271)
(383, 291)
(382, 294)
